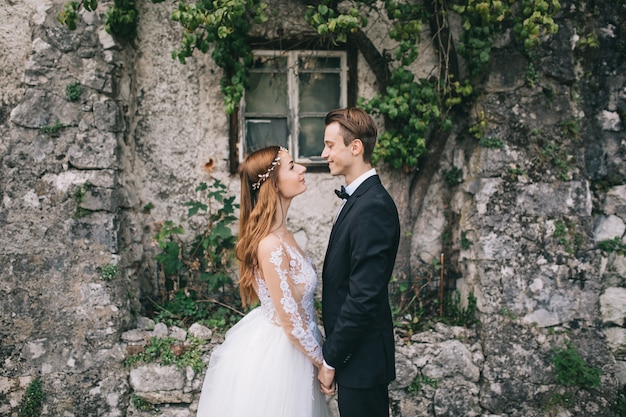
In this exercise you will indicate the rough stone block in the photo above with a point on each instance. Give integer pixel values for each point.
(94, 151)
(107, 116)
(154, 377)
(613, 306)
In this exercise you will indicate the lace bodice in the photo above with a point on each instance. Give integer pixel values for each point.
(286, 294)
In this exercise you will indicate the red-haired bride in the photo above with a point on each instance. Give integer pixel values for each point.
(267, 365)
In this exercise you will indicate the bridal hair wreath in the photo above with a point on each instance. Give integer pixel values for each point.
(263, 177)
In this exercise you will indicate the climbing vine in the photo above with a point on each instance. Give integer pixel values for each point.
(224, 24)
(412, 108)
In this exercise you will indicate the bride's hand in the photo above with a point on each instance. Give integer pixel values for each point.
(326, 378)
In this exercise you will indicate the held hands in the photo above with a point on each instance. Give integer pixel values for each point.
(326, 377)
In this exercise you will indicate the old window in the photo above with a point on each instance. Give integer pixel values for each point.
(289, 95)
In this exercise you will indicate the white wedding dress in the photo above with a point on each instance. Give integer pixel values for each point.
(263, 369)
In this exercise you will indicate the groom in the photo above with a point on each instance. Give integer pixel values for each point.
(359, 347)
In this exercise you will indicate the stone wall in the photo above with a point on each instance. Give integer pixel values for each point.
(525, 220)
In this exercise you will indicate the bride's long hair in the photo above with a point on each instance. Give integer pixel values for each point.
(258, 207)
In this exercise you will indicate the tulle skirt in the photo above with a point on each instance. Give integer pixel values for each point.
(258, 372)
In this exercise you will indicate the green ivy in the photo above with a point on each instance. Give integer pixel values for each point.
(54, 129)
(412, 109)
(69, 15)
(32, 403)
(537, 21)
(224, 24)
(614, 245)
(572, 370)
(332, 25)
(170, 351)
(420, 380)
(142, 404)
(453, 176)
(456, 315)
(620, 403)
(483, 20)
(73, 91)
(121, 19)
(196, 273)
(108, 272)
(567, 235)
(491, 142)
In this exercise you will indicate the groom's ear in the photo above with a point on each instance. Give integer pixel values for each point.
(356, 147)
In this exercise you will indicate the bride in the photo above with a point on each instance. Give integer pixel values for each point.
(266, 366)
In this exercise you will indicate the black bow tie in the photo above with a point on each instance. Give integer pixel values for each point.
(341, 193)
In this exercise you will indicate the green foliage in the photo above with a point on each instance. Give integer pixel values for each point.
(572, 370)
(225, 25)
(412, 109)
(79, 196)
(620, 403)
(457, 315)
(32, 403)
(466, 243)
(147, 208)
(492, 142)
(588, 41)
(142, 404)
(410, 106)
(453, 176)
(54, 129)
(73, 91)
(197, 272)
(169, 351)
(81, 212)
(514, 172)
(531, 77)
(567, 235)
(559, 400)
(121, 19)
(81, 191)
(508, 313)
(555, 154)
(537, 21)
(330, 24)
(420, 380)
(614, 245)
(69, 14)
(108, 272)
(483, 20)
(478, 129)
(570, 128)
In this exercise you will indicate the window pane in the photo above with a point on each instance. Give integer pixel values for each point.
(319, 92)
(306, 63)
(271, 63)
(265, 132)
(311, 137)
(267, 93)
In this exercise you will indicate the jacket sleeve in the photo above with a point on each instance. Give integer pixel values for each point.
(279, 270)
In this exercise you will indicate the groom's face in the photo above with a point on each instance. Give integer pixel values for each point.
(337, 154)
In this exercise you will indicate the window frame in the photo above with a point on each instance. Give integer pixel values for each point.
(293, 114)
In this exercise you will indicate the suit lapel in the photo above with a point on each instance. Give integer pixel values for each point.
(362, 189)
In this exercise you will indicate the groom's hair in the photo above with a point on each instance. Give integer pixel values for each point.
(355, 124)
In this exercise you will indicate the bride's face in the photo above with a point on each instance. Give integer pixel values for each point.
(290, 176)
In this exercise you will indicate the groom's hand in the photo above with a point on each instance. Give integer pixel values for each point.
(326, 376)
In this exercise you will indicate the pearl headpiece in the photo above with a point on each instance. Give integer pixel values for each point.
(263, 177)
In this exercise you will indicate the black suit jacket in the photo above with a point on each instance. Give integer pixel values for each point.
(355, 301)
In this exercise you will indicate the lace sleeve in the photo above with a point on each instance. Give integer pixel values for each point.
(286, 291)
